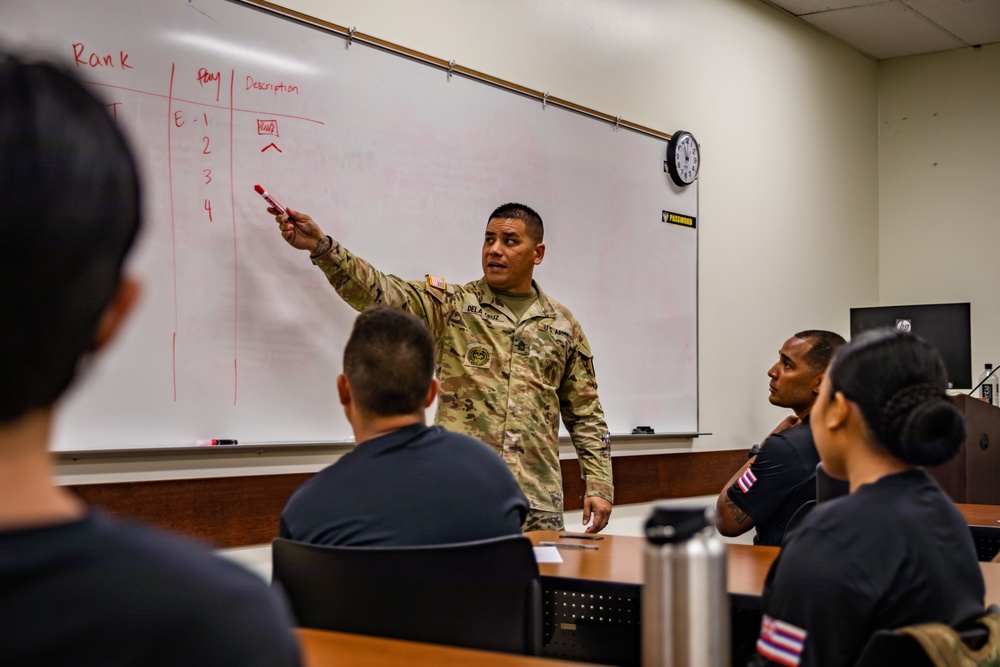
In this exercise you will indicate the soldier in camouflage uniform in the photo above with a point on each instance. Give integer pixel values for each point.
(510, 358)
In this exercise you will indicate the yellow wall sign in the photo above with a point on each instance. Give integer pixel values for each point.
(678, 219)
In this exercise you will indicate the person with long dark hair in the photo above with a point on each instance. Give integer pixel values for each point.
(895, 551)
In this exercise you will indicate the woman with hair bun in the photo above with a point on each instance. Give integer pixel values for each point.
(895, 551)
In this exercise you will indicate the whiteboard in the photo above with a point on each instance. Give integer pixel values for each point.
(237, 334)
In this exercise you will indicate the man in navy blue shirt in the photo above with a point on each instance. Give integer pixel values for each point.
(405, 483)
(779, 476)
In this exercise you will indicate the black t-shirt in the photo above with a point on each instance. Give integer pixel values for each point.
(417, 485)
(101, 592)
(893, 553)
(780, 480)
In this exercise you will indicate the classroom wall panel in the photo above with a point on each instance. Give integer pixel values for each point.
(939, 165)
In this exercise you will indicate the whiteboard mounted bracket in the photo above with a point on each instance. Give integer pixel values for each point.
(545, 100)
(618, 122)
(350, 36)
(451, 68)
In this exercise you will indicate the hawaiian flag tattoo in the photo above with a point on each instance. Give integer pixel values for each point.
(781, 642)
(746, 480)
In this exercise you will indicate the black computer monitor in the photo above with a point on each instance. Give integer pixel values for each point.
(946, 326)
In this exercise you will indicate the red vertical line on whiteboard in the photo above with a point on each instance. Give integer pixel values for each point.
(173, 231)
(236, 259)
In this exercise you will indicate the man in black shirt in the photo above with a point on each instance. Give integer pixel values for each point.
(780, 474)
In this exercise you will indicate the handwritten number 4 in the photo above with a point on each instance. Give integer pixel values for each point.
(208, 207)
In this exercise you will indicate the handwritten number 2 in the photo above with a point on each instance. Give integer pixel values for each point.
(206, 151)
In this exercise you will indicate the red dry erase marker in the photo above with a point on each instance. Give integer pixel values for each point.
(269, 199)
(214, 443)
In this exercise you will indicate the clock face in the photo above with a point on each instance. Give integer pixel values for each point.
(683, 158)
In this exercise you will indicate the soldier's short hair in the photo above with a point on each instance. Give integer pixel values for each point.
(389, 361)
(513, 211)
(824, 345)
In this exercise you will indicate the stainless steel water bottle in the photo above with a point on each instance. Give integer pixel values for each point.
(685, 604)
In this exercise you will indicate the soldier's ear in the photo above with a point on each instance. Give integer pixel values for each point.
(344, 390)
(432, 392)
(539, 253)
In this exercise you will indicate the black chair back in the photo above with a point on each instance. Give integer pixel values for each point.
(484, 594)
(796, 519)
(828, 487)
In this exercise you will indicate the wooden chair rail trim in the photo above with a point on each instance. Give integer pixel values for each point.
(229, 512)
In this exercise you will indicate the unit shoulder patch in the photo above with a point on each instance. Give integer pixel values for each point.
(478, 356)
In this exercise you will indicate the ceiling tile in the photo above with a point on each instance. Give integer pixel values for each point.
(884, 30)
(972, 21)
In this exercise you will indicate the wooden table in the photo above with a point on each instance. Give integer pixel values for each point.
(321, 648)
(984, 523)
(619, 559)
(980, 515)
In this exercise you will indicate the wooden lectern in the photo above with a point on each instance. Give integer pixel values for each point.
(973, 476)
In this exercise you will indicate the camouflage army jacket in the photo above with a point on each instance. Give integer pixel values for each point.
(503, 382)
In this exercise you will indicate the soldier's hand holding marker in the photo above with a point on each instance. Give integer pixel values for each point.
(298, 229)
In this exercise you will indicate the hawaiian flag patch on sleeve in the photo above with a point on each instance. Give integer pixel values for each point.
(746, 480)
(781, 642)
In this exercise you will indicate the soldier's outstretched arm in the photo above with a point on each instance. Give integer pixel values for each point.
(357, 282)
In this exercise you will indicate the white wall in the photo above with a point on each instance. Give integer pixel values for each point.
(939, 186)
(787, 121)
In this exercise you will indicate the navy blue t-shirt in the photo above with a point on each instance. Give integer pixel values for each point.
(103, 592)
(417, 485)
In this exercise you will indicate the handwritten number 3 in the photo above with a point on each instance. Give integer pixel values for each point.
(208, 176)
